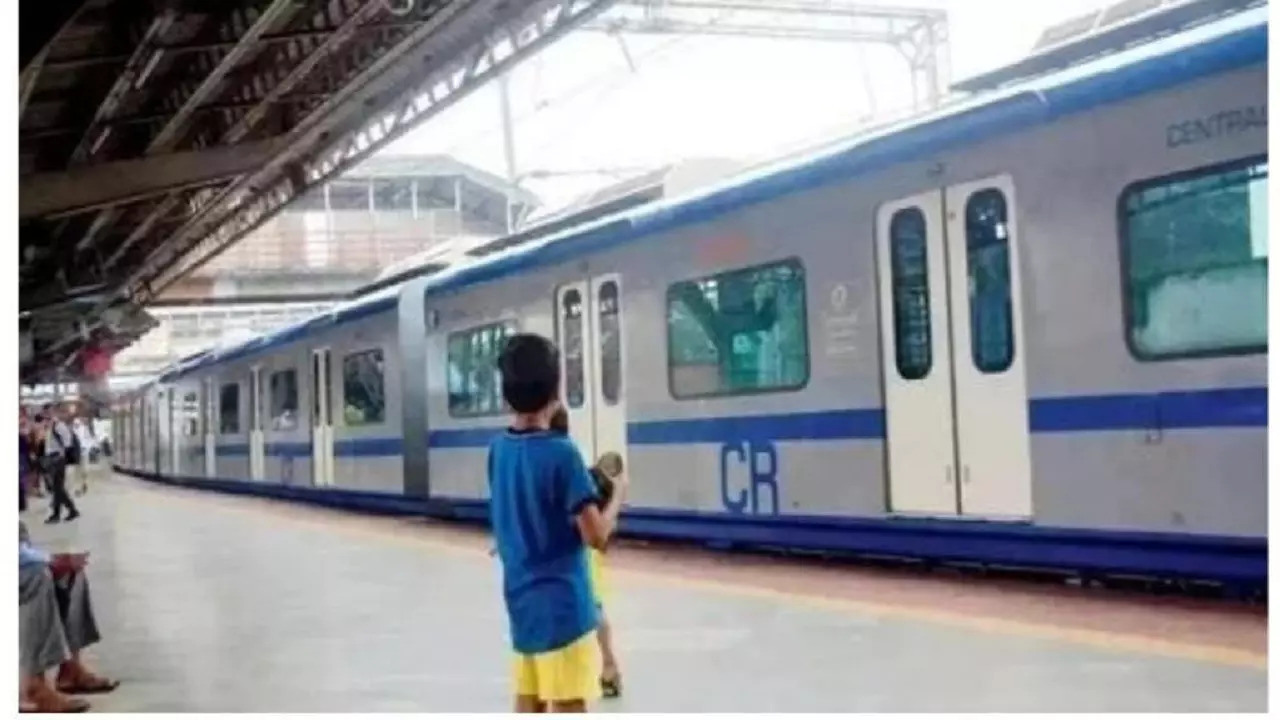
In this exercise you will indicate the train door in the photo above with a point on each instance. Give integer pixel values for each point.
(158, 423)
(321, 418)
(124, 450)
(955, 384)
(210, 440)
(138, 460)
(257, 441)
(140, 433)
(589, 334)
(176, 431)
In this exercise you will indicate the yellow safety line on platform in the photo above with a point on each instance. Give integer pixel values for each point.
(369, 526)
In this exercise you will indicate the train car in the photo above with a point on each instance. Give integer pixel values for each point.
(1028, 329)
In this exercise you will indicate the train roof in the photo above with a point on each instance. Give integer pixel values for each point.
(1232, 42)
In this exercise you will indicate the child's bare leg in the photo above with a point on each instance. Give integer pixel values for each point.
(569, 706)
(530, 704)
(608, 661)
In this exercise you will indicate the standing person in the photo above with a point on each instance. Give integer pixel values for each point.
(24, 462)
(59, 440)
(35, 450)
(610, 675)
(87, 450)
(543, 512)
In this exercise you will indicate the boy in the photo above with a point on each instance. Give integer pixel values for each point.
(603, 473)
(543, 511)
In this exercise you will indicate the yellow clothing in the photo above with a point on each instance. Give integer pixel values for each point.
(569, 673)
(596, 574)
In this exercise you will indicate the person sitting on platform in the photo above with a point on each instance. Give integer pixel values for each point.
(55, 623)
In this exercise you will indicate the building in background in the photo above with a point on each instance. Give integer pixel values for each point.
(337, 238)
(323, 248)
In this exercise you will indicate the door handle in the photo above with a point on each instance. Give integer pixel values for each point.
(966, 475)
(950, 475)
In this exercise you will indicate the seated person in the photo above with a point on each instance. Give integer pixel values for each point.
(55, 622)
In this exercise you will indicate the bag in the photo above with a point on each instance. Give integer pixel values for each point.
(48, 464)
(75, 451)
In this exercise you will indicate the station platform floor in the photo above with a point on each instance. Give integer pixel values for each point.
(216, 603)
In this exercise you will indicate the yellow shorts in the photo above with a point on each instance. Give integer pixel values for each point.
(596, 574)
(570, 673)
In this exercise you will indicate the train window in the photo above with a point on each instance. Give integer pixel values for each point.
(575, 382)
(229, 409)
(475, 389)
(317, 387)
(610, 342)
(191, 415)
(738, 332)
(1195, 262)
(986, 229)
(283, 404)
(909, 261)
(363, 391)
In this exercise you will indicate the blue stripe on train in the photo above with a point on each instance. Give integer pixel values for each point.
(349, 447)
(368, 447)
(1227, 407)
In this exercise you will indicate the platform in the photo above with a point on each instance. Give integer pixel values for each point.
(216, 603)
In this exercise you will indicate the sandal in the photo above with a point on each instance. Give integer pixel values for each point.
(611, 687)
(75, 705)
(90, 685)
(48, 701)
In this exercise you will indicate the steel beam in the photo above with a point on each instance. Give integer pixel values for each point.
(337, 37)
(289, 36)
(473, 60)
(59, 19)
(101, 221)
(334, 39)
(163, 208)
(406, 96)
(829, 8)
(669, 26)
(122, 86)
(919, 34)
(79, 61)
(41, 26)
(170, 134)
(107, 184)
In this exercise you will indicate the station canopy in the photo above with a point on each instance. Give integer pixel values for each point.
(155, 133)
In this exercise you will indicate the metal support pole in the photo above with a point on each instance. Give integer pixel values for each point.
(508, 133)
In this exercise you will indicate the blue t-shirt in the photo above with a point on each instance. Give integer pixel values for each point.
(537, 485)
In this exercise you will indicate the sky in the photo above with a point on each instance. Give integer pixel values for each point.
(578, 105)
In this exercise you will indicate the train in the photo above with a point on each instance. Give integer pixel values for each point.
(1025, 329)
